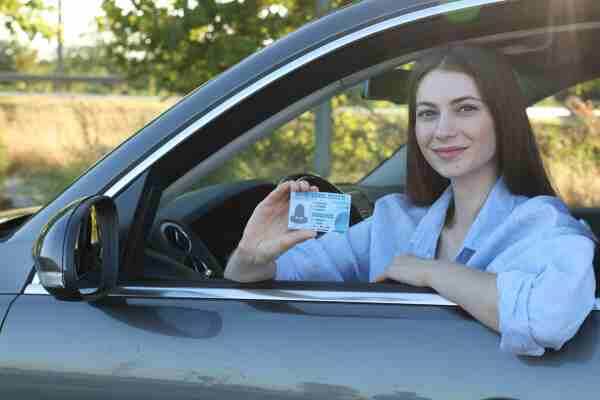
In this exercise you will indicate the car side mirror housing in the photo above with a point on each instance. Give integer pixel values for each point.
(76, 254)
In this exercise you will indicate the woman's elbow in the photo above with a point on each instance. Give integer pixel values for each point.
(560, 321)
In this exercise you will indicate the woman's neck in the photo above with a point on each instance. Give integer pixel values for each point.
(469, 195)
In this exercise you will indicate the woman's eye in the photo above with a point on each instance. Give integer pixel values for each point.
(426, 114)
(467, 108)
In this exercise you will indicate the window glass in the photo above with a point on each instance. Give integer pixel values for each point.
(363, 134)
(567, 127)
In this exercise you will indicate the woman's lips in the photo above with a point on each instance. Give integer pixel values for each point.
(449, 153)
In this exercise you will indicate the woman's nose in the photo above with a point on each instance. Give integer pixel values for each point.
(446, 127)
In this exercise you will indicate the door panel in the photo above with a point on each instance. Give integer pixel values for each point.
(204, 349)
(5, 300)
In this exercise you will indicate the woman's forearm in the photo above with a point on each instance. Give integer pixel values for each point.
(475, 291)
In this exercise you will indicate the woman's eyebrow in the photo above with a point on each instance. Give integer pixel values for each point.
(458, 100)
(454, 101)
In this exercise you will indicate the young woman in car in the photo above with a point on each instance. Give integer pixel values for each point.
(479, 222)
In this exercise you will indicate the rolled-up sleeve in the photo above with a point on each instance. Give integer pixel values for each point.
(545, 293)
(332, 257)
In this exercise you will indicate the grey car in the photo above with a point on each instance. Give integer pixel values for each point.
(115, 288)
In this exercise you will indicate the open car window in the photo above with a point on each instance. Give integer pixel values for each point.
(340, 136)
(352, 138)
(210, 201)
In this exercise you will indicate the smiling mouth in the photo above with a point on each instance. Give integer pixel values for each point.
(449, 153)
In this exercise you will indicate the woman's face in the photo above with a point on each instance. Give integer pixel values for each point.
(454, 127)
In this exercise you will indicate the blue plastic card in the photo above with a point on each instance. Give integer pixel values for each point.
(319, 211)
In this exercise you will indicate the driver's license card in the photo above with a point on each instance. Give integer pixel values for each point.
(319, 211)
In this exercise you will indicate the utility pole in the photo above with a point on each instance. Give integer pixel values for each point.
(60, 68)
(323, 121)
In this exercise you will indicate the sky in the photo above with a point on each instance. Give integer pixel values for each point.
(78, 17)
(78, 24)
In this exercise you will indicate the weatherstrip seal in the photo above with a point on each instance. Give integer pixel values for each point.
(318, 296)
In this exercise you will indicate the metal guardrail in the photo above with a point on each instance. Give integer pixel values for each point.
(60, 78)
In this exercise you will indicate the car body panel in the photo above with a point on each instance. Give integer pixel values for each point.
(224, 349)
(5, 301)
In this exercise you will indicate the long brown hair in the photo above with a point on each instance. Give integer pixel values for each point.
(519, 160)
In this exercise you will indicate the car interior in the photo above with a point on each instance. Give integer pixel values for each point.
(547, 61)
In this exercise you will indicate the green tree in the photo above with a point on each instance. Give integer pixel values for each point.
(22, 17)
(179, 44)
(365, 133)
(25, 16)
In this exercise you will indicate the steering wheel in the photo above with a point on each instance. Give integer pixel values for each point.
(325, 186)
(195, 261)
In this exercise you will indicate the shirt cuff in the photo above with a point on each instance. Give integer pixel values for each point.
(514, 289)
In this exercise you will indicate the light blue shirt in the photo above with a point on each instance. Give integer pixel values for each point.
(541, 254)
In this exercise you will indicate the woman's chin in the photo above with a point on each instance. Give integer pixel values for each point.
(452, 173)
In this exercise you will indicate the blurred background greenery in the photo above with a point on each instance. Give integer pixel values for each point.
(157, 51)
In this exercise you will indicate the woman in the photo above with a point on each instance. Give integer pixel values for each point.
(480, 222)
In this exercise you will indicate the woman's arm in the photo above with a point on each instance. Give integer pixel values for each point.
(267, 236)
(475, 291)
(472, 289)
(536, 296)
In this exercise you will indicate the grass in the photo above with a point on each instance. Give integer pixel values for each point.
(47, 141)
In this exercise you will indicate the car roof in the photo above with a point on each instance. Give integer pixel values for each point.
(546, 61)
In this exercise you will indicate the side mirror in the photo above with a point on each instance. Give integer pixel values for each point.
(76, 254)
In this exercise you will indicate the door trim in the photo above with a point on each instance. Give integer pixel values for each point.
(330, 296)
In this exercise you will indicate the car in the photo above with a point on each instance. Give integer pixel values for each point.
(115, 288)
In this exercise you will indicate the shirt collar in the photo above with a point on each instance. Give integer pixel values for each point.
(424, 240)
(498, 205)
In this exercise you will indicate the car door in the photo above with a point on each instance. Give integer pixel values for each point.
(217, 339)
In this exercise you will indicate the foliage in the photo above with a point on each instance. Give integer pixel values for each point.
(183, 43)
(7, 60)
(26, 16)
(586, 91)
(17, 57)
(364, 135)
(571, 153)
(88, 60)
(3, 158)
(22, 18)
(43, 180)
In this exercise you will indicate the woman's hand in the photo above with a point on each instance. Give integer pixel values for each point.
(409, 269)
(267, 236)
